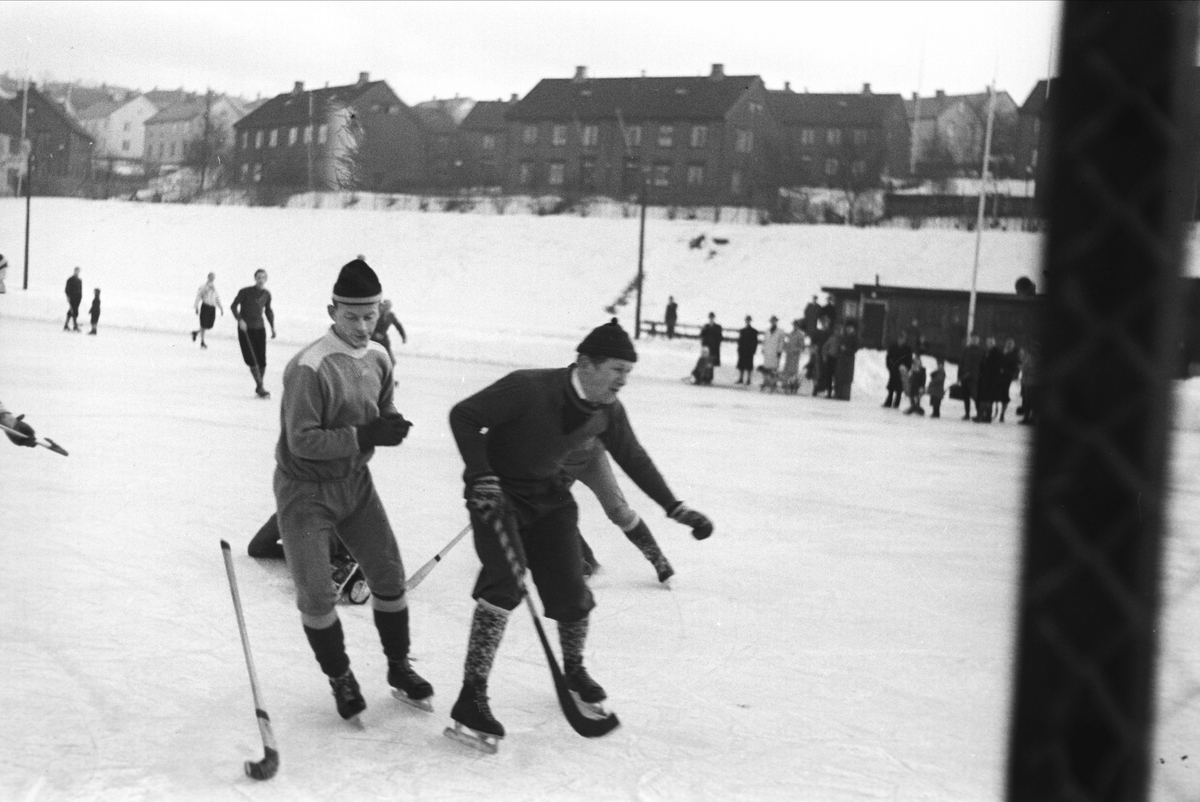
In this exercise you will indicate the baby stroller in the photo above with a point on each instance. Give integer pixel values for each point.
(770, 379)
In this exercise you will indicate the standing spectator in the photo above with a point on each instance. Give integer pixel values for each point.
(899, 358)
(816, 360)
(969, 362)
(387, 319)
(747, 346)
(249, 307)
(3, 273)
(829, 311)
(74, 292)
(914, 380)
(812, 313)
(337, 408)
(843, 367)
(1010, 368)
(703, 372)
(94, 312)
(772, 348)
(207, 304)
(991, 376)
(1029, 399)
(671, 316)
(937, 387)
(711, 336)
(793, 347)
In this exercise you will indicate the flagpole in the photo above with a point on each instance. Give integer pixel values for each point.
(983, 174)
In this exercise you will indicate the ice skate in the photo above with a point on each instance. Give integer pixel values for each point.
(346, 694)
(664, 570)
(408, 686)
(261, 392)
(474, 724)
(588, 695)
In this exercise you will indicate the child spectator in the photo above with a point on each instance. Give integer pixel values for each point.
(937, 387)
(914, 381)
(703, 372)
(95, 311)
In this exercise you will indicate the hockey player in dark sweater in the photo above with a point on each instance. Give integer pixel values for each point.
(249, 308)
(513, 437)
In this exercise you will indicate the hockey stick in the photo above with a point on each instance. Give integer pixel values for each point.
(424, 570)
(264, 769)
(44, 442)
(585, 726)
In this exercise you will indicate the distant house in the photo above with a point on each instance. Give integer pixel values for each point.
(176, 135)
(62, 149)
(440, 120)
(358, 136)
(481, 144)
(949, 132)
(695, 140)
(118, 129)
(1029, 130)
(12, 153)
(840, 140)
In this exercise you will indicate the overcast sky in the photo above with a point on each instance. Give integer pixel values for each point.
(489, 50)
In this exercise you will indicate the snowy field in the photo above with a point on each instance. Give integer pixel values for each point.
(846, 633)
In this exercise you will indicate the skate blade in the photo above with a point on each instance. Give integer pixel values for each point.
(420, 704)
(595, 711)
(466, 736)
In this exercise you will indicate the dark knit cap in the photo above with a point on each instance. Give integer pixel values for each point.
(609, 340)
(357, 284)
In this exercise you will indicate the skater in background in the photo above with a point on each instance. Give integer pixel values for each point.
(249, 308)
(27, 437)
(747, 345)
(672, 314)
(94, 312)
(914, 381)
(207, 304)
(74, 291)
(337, 407)
(899, 358)
(513, 436)
(711, 337)
(772, 350)
(387, 319)
(937, 388)
(703, 372)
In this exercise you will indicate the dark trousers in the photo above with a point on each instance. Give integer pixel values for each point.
(254, 347)
(72, 314)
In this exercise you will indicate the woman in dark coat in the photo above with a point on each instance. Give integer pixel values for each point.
(747, 347)
(843, 370)
(991, 377)
(1010, 368)
(899, 356)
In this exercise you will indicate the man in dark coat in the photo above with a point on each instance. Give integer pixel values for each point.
(843, 370)
(711, 336)
(899, 356)
(968, 373)
(671, 316)
(991, 377)
(812, 313)
(747, 347)
(74, 291)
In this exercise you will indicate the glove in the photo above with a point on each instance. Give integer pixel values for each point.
(386, 431)
(25, 429)
(698, 521)
(485, 496)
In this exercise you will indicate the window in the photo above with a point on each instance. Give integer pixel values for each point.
(274, 138)
(322, 134)
(529, 135)
(173, 150)
(557, 173)
(662, 175)
(744, 142)
(245, 140)
(558, 136)
(860, 136)
(293, 135)
(245, 172)
(591, 136)
(526, 176)
(125, 145)
(695, 175)
(735, 182)
(858, 168)
(831, 167)
(393, 109)
(307, 134)
(127, 127)
(808, 136)
(754, 108)
(666, 134)
(633, 136)
(489, 141)
(257, 173)
(833, 136)
(587, 174)
(258, 139)
(699, 136)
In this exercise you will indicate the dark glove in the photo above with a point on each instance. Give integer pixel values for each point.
(25, 429)
(698, 521)
(385, 431)
(485, 496)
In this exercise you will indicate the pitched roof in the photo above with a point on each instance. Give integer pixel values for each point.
(681, 98)
(162, 98)
(804, 108)
(187, 110)
(1036, 102)
(435, 118)
(57, 110)
(487, 115)
(932, 107)
(10, 121)
(291, 108)
(98, 111)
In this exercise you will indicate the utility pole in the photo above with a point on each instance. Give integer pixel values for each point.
(28, 175)
(204, 138)
(637, 315)
(983, 176)
(310, 135)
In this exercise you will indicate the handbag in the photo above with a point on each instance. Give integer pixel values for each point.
(957, 391)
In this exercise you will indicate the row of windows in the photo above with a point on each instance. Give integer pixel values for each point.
(294, 135)
(833, 136)
(589, 136)
(694, 175)
(858, 167)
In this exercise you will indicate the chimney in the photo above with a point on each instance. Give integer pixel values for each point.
(787, 86)
(866, 89)
(298, 88)
(940, 93)
(580, 75)
(914, 95)
(718, 72)
(364, 77)
(513, 99)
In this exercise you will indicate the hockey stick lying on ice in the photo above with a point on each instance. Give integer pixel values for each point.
(424, 570)
(44, 442)
(264, 769)
(582, 724)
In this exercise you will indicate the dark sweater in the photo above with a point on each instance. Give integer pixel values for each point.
(251, 305)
